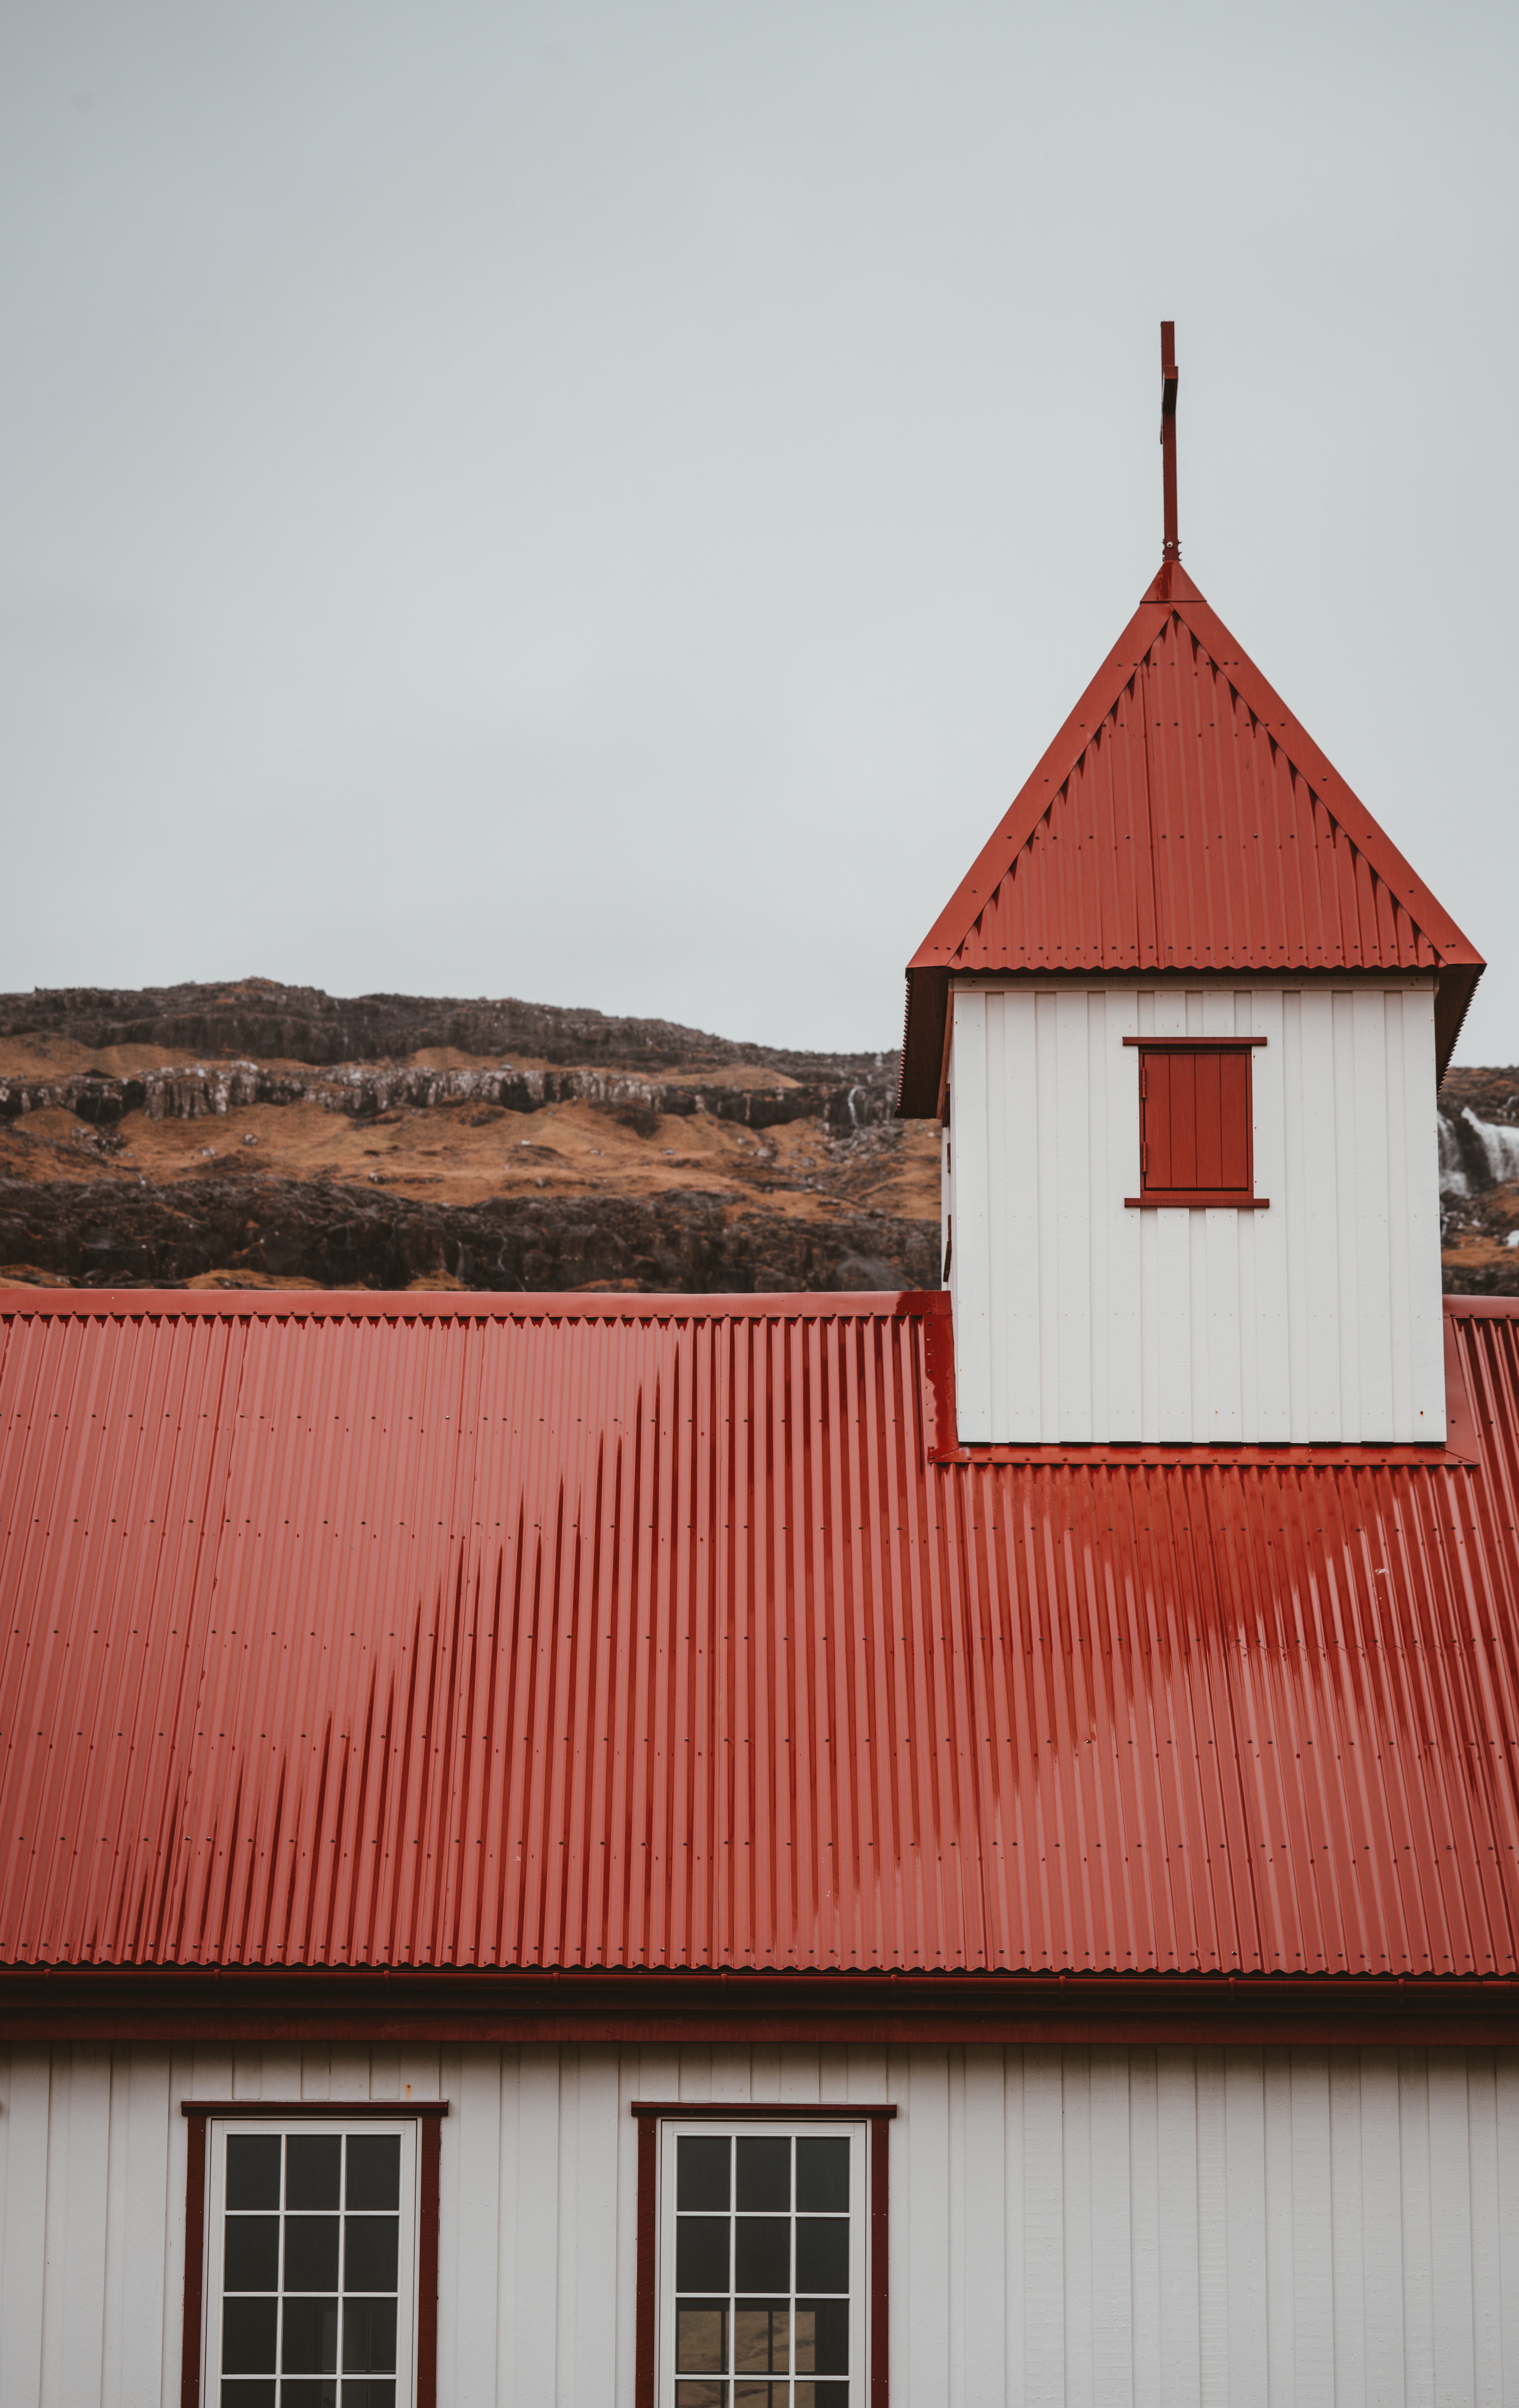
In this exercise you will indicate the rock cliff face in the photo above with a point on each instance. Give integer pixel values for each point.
(196, 1091)
(258, 1018)
(257, 1135)
(250, 1135)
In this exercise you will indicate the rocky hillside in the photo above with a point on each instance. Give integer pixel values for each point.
(253, 1135)
(1478, 1182)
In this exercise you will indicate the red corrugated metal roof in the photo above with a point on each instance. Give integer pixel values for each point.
(344, 1631)
(1183, 820)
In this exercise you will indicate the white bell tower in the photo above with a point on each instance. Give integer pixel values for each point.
(1184, 1024)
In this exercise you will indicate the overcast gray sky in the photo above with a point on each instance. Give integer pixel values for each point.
(607, 502)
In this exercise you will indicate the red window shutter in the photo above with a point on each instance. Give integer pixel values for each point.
(1181, 1160)
(1194, 1122)
(1234, 1116)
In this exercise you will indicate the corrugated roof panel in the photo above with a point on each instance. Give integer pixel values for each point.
(1184, 838)
(1182, 821)
(589, 1633)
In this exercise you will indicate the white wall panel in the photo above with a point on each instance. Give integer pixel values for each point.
(925, 2224)
(1382, 2228)
(1078, 1319)
(1070, 2228)
(1192, 2302)
(1421, 1217)
(981, 2240)
(23, 2170)
(970, 1267)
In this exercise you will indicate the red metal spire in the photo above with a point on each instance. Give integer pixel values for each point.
(1172, 549)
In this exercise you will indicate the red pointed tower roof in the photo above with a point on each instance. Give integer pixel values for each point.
(1183, 820)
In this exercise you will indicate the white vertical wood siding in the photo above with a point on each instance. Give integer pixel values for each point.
(1093, 2228)
(1077, 1318)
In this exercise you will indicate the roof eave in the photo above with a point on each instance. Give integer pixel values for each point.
(1453, 1001)
(922, 1087)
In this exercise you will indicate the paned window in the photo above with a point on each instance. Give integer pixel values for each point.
(1197, 1121)
(763, 2266)
(311, 2266)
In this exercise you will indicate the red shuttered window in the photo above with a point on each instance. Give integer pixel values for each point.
(1197, 1123)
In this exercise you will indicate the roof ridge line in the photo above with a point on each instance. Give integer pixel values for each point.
(1323, 781)
(1044, 786)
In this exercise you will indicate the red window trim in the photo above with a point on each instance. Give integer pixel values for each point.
(198, 2112)
(651, 2112)
(1195, 1199)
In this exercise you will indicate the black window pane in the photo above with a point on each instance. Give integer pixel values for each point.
(701, 2171)
(764, 2174)
(701, 2253)
(247, 2331)
(701, 2395)
(251, 2252)
(368, 2336)
(823, 2253)
(760, 2395)
(313, 2169)
(252, 2169)
(822, 2395)
(761, 2336)
(764, 2253)
(248, 2394)
(823, 2177)
(701, 2338)
(371, 2251)
(823, 2336)
(368, 2394)
(310, 2253)
(309, 2394)
(374, 2170)
(310, 2338)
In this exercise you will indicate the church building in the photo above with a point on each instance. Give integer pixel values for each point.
(807, 1851)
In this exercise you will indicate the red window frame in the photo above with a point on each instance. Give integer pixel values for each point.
(199, 2113)
(651, 2113)
(1197, 1099)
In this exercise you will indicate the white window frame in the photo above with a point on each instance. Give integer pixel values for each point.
(749, 2127)
(266, 2126)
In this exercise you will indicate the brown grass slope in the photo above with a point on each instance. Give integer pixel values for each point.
(256, 1135)
(248, 1134)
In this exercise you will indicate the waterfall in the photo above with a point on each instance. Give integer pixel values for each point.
(1475, 1154)
(1500, 1144)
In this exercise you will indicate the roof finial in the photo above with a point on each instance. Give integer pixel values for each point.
(1172, 549)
